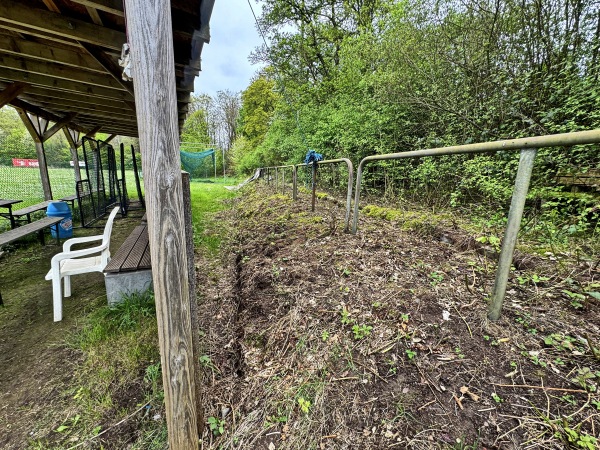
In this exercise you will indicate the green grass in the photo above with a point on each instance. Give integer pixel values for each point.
(120, 369)
(24, 183)
(207, 198)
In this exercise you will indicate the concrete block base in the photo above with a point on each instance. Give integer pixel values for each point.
(120, 284)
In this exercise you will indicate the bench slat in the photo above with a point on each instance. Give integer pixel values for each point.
(22, 231)
(31, 209)
(145, 261)
(114, 265)
(137, 252)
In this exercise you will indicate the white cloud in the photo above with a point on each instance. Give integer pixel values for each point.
(225, 64)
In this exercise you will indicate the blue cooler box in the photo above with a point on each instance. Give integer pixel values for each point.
(65, 226)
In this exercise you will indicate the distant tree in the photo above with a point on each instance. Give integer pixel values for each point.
(195, 128)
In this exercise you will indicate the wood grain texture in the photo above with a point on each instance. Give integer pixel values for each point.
(11, 92)
(54, 23)
(189, 239)
(149, 30)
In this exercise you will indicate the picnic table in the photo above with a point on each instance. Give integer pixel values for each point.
(8, 205)
(27, 211)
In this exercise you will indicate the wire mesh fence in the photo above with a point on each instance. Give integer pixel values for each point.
(20, 175)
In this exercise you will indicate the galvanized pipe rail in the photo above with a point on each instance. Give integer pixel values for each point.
(346, 161)
(528, 148)
(349, 188)
(276, 168)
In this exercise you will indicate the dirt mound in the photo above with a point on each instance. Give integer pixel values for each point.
(320, 339)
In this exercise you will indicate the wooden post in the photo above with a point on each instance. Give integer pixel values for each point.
(73, 139)
(36, 128)
(150, 37)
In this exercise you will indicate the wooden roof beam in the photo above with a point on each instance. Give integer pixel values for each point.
(15, 12)
(110, 6)
(11, 92)
(57, 71)
(66, 85)
(58, 125)
(111, 67)
(93, 12)
(51, 5)
(66, 105)
(71, 98)
(35, 50)
(25, 106)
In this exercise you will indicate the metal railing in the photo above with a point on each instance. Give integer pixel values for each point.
(528, 148)
(266, 171)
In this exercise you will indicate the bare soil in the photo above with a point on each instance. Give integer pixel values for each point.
(319, 339)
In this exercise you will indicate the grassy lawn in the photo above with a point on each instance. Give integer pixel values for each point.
(109, 394)
(208, 198)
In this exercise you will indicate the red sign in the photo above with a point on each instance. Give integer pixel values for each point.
(19, 162)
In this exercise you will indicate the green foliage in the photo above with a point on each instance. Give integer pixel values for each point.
(216, 425)
(362, 78)
(195, 128)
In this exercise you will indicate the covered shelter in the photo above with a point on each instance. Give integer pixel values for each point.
(59, 67)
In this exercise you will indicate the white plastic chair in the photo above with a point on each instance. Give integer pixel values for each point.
(68, 263)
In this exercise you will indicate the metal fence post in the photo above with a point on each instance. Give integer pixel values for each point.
(314, 185)
(512, 230)
(295, 182)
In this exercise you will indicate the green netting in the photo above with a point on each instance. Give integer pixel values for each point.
(198, 164)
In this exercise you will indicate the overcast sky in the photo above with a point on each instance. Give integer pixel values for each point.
(234, 36)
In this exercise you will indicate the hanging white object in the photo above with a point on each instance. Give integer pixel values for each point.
(125, 63)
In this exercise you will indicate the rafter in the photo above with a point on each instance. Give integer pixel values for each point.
(50, 53)
(110, 6)
(57, 71)
(55, 83)
(55, 23)
(93, 12)
(107, 62)
(51, 5)
(58, 125)
(26, 106)
(11, 92)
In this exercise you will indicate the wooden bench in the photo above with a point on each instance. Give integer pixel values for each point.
(28, 211)
(71, 199)
(38, 226)
(130, 269)
(8, 204)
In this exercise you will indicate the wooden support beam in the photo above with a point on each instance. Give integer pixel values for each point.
(110, 6)
(72, 98)
(51, 5)
(151, 39)
(20, 104)
(38, 19)
(30, 49)
(34, 126)
(110, 138)
(93, 131)
(57, 126)
(72, 138)
(93, 12)
(11, 92)
(118, 110)
(58, 71)
(111, 67)
(66, 85)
